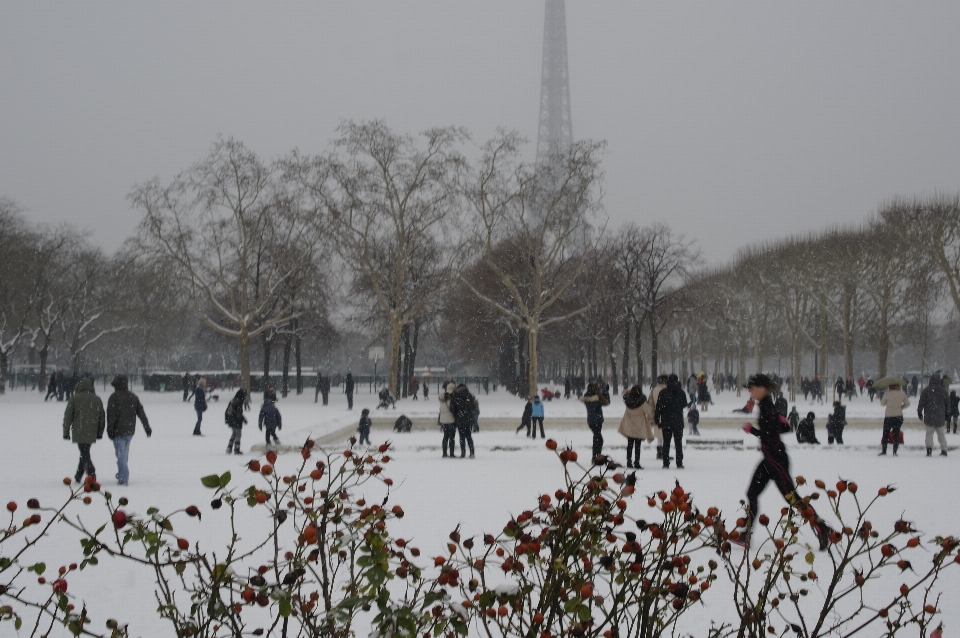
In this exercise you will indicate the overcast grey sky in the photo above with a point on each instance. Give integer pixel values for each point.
(731, 121)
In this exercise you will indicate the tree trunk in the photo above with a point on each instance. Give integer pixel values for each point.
(848, 296)
(407, 369)
(638, 344)
(266, 361)
(299, 369)
(285, 380)
(523, 371)
(395, 330)
(244, 359)
(654, 350)
(413, 348)
(3, 372)
(43, 369)
(532, 360)
(614, 379)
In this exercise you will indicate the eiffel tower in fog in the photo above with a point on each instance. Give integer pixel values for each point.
(556, 128)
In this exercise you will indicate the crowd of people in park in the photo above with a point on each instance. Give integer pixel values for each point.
(60, 386)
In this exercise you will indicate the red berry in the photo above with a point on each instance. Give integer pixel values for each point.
(272, 457)
(11, 506)
(60, 585)
(551, 444)
(119, 519)
(183, 544)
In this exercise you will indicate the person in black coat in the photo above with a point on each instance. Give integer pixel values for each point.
(463, 405)
(954, 409)
(775, 465)
(52, 387)
(234, 418)
(594, 400)
(364, 427)
(836, 422)
(270, 418)
(806, 431)
(199, 403)
(525, 417)
(668, 415)
(348, 390)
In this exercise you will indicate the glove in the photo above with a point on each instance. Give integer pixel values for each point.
(747, 427)
(260, 427)
(66, 437)
(149, 433)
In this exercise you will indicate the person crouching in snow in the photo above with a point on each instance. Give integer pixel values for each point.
(270, 418)
(636, 423)
(364, 428)
(775, 465)
(806, 431)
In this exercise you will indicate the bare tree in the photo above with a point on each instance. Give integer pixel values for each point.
(18, 245)
(544, 211)
(885, 271)
(387, 197)
(226, 225)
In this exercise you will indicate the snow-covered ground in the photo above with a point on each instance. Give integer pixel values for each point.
(437, 494)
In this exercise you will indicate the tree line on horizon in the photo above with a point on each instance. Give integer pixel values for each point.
(497, 265)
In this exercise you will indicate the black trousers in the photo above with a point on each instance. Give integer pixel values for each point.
(364, 435)
(776, 469)
(536, 420)
(596, 428)
(196, 429)
(272, 434)
(676, 433)
(466, 438)
(449, 438)
(633, 444)
(891, 424)
(86, 463)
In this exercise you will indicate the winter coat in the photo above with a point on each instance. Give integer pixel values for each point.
(84, 417)
(123, 408)
(954, 403)
(527, 413)
(781, 405)
(325, 385)
(693, 417)
(655, 396)
(594, 403)
(933, 405)
(635, 423)
(446, 416)
(233, 415)
(464, 407)
(770, 425)
(537, 408)
(348, 386)
(269, 417)
(895, 401)
(806, 432)
(200, 400)
(670, 406)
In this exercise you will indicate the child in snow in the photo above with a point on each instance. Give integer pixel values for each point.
(233, 417)
(270, 418)
(693, 420)
(793, 419)
(536, 416)
(364, 428)
(775, 465)
(836, 422)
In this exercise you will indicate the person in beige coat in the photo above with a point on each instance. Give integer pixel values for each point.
(894, 400)
(636, 423)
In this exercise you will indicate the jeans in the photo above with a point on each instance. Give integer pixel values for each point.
(121, 445)
(272, 434)
(449, 438)
(349, 400)
(196, 428)
(596, 428)
(234, 442)
(891, 424)
(466, 438)
(537, 420)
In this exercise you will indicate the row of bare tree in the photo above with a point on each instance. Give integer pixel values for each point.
(507, 265)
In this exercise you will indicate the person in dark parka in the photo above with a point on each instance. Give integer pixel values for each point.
(84, 420)
(594, 399)
(348, 389)
(463, 405)
(199, 404)
(364, 427)
(806, 430)
(123, 410)
(270, 419)
(954, 410)
(668, 416)
(234, 418)
(932, 408)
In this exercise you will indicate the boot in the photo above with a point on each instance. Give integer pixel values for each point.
(943, 452)
(679, 465)
(894, 450)
(659, 451)
(629, 464)
(883, 451)
(929, 451)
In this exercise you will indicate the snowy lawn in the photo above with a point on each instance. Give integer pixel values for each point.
(508, 474)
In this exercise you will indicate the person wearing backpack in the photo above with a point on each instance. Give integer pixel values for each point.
(234, 418)
(536, 416)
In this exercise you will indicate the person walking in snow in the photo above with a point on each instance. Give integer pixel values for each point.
(932, 408)
(270, 419)
(234, 418)
(594, 399)
(636, 423)
(199, 403)
(51, 387)
(536, 417)
(365, 425)
(526, 416)
(84, 420)
(693, 421)
(123, 410)
(836, 422)
(894, 401)
(775, 465)
(793, 419)
(348, 389)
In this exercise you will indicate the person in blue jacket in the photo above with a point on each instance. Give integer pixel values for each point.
(270, 418)
(536, 416)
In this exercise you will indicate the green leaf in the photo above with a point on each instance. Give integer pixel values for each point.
(39, 568)
(212, 481)
(285, 607)
(180, 567)
(152, 511)
(166, 524)
(583, 613)
(809, 558)
(18, 623)
(224, 479)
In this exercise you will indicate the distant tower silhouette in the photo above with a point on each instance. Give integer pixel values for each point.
(556, 128)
